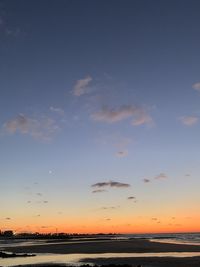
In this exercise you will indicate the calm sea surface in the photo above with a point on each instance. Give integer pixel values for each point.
(177, 238)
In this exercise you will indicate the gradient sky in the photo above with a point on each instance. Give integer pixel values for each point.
(100, 115)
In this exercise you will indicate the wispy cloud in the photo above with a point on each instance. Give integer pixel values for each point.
(196, 86)
(138, 115)
(142, 117)
(122, 143)
(14, 32)
(81, 86)
(60, 212)
(41, 128)
(45, 226)
(122, 153)
(110, 184)
(189, 120)
(145, 180)
(110, 208)
(119, 142)
(161, 176)
(131, 198)
(7, 30)
(57, 110)
(99, 191)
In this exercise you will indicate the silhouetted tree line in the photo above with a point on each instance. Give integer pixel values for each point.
(25, 235)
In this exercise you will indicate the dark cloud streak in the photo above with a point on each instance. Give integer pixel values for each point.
(112, 184)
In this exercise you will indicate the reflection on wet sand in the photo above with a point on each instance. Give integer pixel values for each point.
(78, 259)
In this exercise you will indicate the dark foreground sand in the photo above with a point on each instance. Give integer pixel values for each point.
(111, 246)
(116, 246)
(150, 261)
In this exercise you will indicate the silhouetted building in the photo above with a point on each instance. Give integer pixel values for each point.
(8, 233)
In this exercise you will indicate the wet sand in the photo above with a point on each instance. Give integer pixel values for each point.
(149, 262)
(118, 246)
(110, 246)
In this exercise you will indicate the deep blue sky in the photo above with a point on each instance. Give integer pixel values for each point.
(94, 91)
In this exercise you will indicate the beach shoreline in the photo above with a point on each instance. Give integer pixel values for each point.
(108, 246)
(117, 246)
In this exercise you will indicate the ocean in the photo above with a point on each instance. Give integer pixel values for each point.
(176, 238)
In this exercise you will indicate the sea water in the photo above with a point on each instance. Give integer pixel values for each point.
(176, 238)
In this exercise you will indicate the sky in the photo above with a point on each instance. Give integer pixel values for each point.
(99, 116)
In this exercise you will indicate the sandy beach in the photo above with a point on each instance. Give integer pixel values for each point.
(118, 246)
(150, 261)
(108, 246)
